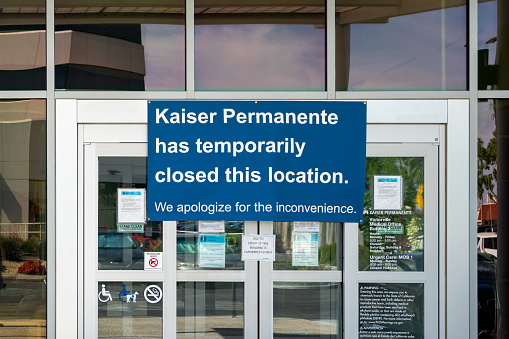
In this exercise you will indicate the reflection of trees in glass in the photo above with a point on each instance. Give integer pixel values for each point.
(412, 219)
(107, 204)
(487, 166)
(233, 243)
(327, 247)
(415, 232)
(410, 168)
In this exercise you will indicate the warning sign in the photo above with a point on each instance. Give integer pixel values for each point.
(153, 261)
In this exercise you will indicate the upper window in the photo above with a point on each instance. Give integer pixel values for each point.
(256, 46)
(134, 47)
(401, 45)
(491, 53)
(23, 41)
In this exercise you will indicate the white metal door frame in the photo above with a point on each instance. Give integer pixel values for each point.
(92, 152)
(110, 124)
(268, 277)
(124, 133)
(429, 277)
(170, 275)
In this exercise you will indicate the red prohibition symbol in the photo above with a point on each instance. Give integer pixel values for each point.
(153, 262)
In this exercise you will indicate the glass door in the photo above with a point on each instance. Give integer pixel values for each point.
(301, 291)
(149, 279)
(392, 256)
(216, 290)
(125, 287)
(186, 279)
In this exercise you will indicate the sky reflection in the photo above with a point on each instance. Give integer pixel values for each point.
(406, 52)
(487, 28)
(164, 56)
(259, 57)
(424, 51)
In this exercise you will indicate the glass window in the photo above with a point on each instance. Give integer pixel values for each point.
(114, 47)
(251, 46)
(121, 245)
(392, 232)
(307, 310)
(130, 309)
(307, 246)
(23, 41)
(23, 218)
(209, 245)
(395, 309)
(418, 46)
(492, 115)
(210, 309)
(491, 53)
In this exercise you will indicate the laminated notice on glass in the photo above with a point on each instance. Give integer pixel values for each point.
(387, 192)
(210, 226)
(131, 206)
(211, 250)
(306, 226)
(305, 249)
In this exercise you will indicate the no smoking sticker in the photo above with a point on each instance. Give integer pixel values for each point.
(153, 261)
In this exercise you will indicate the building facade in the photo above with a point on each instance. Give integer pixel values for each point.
(76, 80)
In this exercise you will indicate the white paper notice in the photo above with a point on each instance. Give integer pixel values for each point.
(306, 226)
(153, 261)
(131, 205)
(387, 192)
(305, 249)
(211, 226)
(211, 250)
(258, 247)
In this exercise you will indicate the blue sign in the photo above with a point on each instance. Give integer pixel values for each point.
(256, 160)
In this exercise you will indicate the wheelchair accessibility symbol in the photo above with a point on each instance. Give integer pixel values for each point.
(153, 294)
(126, 296)
(104, 296)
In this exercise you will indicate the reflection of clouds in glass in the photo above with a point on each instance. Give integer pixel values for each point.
(164, 56)
(259, 57)
(487, 28)
(406, 53)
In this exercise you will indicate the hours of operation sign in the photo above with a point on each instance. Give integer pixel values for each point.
(256, 160)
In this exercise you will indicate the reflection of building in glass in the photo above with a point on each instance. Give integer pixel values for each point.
(22, 167)
(99, 57)
(22, 67)
(129, 47)
(487, 214)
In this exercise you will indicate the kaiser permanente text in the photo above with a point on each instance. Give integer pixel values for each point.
(229, 114)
